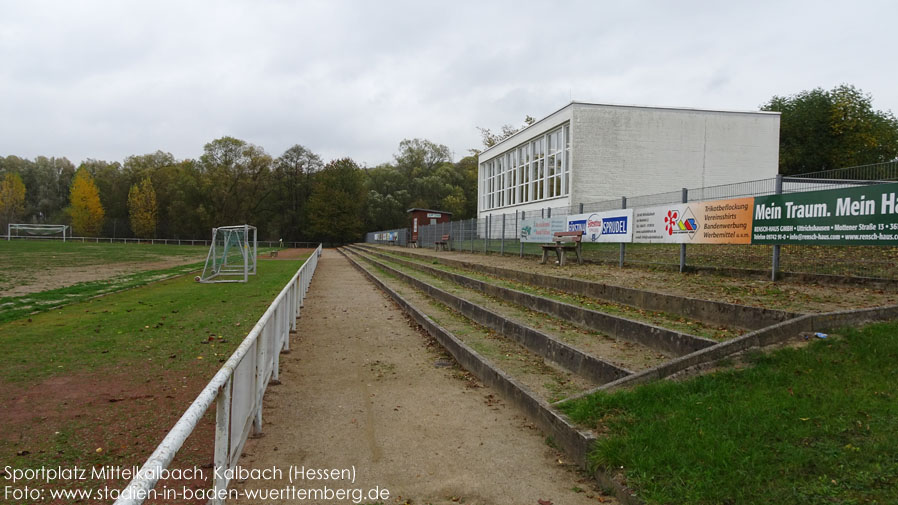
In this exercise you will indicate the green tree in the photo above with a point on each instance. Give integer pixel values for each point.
(142, 208)
(85, 208)
(292, 186)
(235, 180)
(336, 206)
(822, 130)
(12, 199)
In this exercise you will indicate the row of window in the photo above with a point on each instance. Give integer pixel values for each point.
(533, 171)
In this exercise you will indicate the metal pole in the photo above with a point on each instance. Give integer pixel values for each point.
(581, 207)
(473, 232)
(517, 228)
(775, 265)
(502, 243)
(623, 245)
(683, 246)
(486, 241)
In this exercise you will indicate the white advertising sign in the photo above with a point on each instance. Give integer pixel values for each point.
(609, 226)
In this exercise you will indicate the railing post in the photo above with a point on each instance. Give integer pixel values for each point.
(775, 263)
(683, 246)
(623, 245)
(257, 383)
(222, 438)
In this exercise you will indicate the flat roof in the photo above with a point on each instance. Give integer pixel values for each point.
(572, 103)
(430, 210)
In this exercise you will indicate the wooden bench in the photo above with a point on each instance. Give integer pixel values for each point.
(564, 241)
(442, 243)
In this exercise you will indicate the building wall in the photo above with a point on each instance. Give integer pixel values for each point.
(631, 151)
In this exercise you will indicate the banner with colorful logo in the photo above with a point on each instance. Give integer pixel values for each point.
(542, 229)
(711, 222)
(609, 226)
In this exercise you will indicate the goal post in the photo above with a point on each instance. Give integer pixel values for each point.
(232, 254)
(26, 230)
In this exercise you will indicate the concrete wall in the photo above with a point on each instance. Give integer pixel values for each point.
(632, 151)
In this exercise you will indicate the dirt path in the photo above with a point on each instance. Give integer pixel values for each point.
(363, 389)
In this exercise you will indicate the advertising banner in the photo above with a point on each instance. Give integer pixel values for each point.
(711, 222)
(542, 230)
(866, 215)
(610, 226)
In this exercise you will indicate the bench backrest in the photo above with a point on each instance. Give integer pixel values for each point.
(568, 236)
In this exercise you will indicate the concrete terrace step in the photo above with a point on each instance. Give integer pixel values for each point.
(661, 339)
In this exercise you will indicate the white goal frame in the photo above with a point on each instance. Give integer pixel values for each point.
(220, 266)
(45, 228)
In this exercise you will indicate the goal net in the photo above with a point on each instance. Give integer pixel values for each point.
(232, 255)
(24, 230)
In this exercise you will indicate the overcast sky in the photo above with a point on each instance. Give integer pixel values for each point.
(106, 80)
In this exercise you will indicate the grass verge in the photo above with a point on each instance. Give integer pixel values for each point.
(811, 425)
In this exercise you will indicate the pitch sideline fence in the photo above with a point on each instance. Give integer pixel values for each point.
(155, 241)
(237, 390)
(498, 233)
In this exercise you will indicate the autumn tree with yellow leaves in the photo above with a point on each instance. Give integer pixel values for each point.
(142, 209)
(12, 198)
(85, 207)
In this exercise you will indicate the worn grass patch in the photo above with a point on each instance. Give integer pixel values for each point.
(15, 307)
(811, 425)
(151, 323)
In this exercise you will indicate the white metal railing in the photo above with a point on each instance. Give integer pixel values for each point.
(237, 390)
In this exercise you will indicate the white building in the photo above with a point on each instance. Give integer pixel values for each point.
(587, 152)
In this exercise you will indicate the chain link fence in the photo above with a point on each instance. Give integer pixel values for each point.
(498, 233)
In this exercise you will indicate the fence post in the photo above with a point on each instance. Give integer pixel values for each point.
(502, 242)
(473, 232)
(486, 239)
(549, 213)
(775, 265)
(581, 208)
(623, 245)
(517, 231)
(683, 246)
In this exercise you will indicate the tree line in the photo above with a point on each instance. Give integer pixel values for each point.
(298, 197)
(295, 197)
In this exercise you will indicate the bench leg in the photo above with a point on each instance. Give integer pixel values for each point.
(545, 256)
(560, 253)
(579, 255)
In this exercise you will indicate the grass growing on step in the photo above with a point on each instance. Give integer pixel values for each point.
(812, 425)
(662, 319)
(552, 382)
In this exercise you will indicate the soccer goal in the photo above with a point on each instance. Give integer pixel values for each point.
(24, 230)
(232, 255)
